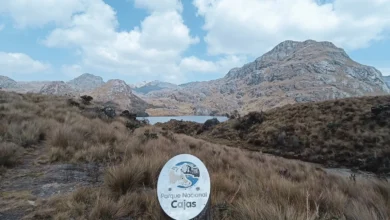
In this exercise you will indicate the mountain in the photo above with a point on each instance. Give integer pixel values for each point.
(292, 72)
(118, 92)
(139, 84)
(155, 86)
(6, 82)
(387, 80)
(86, 82)
(57, 88)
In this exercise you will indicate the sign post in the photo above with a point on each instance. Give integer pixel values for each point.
(183, 189)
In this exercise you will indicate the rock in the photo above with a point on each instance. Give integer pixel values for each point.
(292, 72)
(86, 82)
(118, 92)
(6, 82)
(31, 203)
(57, 88)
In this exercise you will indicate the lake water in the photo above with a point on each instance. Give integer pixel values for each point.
(198, 119)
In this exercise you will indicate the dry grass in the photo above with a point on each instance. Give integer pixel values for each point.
(245, 185)
(9, 154)
(336, 133)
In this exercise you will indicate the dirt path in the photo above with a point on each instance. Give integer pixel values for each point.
(22, 185)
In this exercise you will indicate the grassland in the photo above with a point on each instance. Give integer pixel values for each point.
(345, 132)
(245, 184)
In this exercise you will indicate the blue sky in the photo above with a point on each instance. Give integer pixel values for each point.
(177, 41)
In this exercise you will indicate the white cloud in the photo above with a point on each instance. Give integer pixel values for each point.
(19, 63)
(37, 13)
(159, 5)
(154, 48)
(253, 27)
(72, 70)
(223, 65)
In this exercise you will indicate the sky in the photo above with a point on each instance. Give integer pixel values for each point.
(177, 41)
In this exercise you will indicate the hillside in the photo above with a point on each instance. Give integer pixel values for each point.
(292, 72)
(352, 132)
(86, 82)
(154, 86)
(59, 163)
(57, 88)
(6, 82)
(118, 92)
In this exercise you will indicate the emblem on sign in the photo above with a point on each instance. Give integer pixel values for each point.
(183, 187)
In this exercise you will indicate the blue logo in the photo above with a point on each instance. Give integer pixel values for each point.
(184, 175)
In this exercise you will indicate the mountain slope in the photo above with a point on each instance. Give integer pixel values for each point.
(57, 88)
(155, 86)
(86, 82)
(351, 132)
(292, 72)
(6, 82)
(119, 92)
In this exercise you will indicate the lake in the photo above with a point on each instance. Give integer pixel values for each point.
(198, 119)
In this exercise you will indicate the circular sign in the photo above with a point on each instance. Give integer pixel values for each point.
(183, 187)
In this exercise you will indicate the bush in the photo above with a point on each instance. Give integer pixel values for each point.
(9, 154)
(86, 99)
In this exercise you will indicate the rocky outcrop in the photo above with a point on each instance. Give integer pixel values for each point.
(6, 82)
(118, 92)
(86, 82)
(57, 88)
(292, 72)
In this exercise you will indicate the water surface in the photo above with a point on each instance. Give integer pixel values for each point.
(193, 118)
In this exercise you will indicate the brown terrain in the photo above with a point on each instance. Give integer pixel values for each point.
(60, 161)
(351, 132)
(292, 72)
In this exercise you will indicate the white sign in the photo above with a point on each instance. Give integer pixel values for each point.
(183, 187)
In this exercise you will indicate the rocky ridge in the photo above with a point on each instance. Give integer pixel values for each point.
(86, 82)
(117, 91)
(6, 82)
(292, 72)
(57, 88)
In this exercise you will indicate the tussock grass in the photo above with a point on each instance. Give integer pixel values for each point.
(9, 154)
(245, 185)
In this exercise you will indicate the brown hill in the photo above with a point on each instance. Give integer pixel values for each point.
(352, 132)
(57, 163)
(292, 72)
(118, 92)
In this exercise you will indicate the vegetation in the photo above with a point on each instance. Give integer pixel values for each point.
(245, 184)
(351, 132)
(86, 99)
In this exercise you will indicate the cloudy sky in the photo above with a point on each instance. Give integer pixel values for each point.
(177, 41)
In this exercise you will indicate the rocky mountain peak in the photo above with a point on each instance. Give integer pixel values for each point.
(6, 82)
(291, 49)
(86, 82)
(117, 91)
(118, 86)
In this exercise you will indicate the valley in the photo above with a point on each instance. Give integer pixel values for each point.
(304, 134)
(64, 159)
(292, 72)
